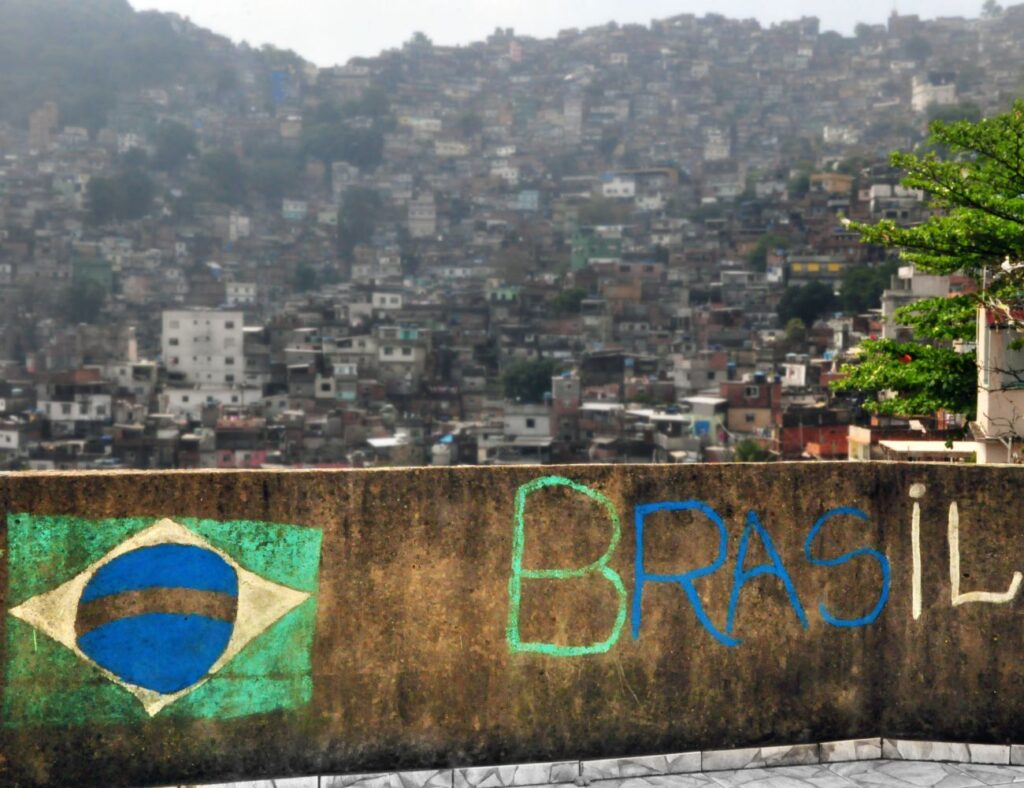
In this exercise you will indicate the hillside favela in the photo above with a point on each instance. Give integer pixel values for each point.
(483, 394)
(623, 243)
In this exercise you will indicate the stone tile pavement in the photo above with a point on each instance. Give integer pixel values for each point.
(847, 764)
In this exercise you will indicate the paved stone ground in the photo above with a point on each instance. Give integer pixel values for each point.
(852, 763)
(838, 775)
(852, 774)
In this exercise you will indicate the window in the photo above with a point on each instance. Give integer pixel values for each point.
(173, 341)
(531, 423)
(65, 408)
(229, 360)
(1013, 365)
(751, 391)
(229, 324)
(407, 351)
(229, 378)
(749, 418)
(184, 397)
(173, 323)
(325, 386)
(389, 351)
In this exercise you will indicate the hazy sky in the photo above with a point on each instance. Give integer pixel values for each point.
(332, 31)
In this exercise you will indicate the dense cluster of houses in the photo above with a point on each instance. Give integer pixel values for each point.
(619, 210)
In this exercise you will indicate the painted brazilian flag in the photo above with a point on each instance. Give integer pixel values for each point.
(126, 619)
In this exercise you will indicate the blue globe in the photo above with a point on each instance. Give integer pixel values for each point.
(159, 617)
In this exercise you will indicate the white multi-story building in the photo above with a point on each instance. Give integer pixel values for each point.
(423, 217)
(933, 89)
(190, 401)
(618, 185)
(84, 407)
(999, 428)
(906, 287)
(204, 345)
(240, 293)
(450, 149)
(386, 300)
(717, 145)
(505, 171)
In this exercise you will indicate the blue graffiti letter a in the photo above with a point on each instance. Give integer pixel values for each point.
(774, 567)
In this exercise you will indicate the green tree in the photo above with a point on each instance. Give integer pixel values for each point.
(123, 197)
(923, 376)
(917, 48)
(226, 82)
(799, 185)
(174, 144)
(470, 124)
(950, 113)
(88, 108)
(863, 31)
(991, 9)
(330, 133)
(758, 256)
(420, 40)
(134, 158)
(135, 192)
(273, 178)
(224, 177)
(796, 332)
(976, 189)
(361, 210)
(568, 302)
(84, 301)
(610, 139)
(807, 303)
(101, 200)
(373, 103)
(528, 380)
(330, 142)
(748, 450)
(305, 278)
(862, 286)
(602, 210)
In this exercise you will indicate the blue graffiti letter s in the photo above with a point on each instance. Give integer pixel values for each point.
(883, 563)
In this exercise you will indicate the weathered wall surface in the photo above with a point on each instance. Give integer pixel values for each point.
(183, 626)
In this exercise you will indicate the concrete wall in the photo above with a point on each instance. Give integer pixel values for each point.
(416, 618)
